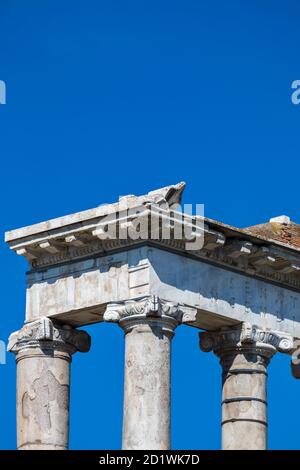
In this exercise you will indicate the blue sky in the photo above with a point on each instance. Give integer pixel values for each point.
(106, 98)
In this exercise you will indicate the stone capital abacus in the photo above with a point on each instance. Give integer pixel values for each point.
(245, 338)
(144, 311)
(46, 335)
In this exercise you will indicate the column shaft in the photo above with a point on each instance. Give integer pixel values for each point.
(43, 390)
(146, 422)
(244, 402)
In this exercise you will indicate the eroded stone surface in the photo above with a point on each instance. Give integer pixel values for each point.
(46, 392)
(43, 401)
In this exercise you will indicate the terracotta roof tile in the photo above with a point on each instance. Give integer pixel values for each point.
(279, 229)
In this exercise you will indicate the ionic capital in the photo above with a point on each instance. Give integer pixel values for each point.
(46, 335)
(150, 309)
(246, 338)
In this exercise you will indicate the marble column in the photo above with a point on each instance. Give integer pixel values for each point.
(149, 326)
(295, 363)
(43, 354)
(244, 352)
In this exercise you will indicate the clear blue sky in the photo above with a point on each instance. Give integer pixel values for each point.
(106, 98)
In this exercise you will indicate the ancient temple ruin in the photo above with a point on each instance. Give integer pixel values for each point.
(147, 266)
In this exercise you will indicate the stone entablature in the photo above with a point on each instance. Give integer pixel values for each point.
(86, 234)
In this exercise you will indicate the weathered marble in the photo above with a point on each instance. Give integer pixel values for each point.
(149, 327)
(245, 353)
(43, 355)
(84, 270)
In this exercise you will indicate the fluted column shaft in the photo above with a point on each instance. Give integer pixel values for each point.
(244, 353)
(43, 356)
(149, 327)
